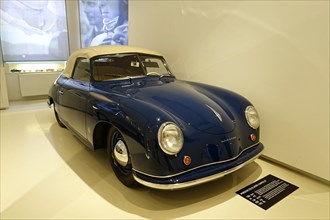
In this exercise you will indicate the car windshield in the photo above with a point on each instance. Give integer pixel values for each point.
(110, 67)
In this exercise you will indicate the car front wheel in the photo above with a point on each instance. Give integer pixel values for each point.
(119, 158)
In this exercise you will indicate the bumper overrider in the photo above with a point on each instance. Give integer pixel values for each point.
(202, 174)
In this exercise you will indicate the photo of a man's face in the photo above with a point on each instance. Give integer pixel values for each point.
(103, 22)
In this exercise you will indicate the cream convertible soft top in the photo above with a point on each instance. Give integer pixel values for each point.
(90, 52)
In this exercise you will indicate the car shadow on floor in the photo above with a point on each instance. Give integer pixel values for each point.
(94, 169)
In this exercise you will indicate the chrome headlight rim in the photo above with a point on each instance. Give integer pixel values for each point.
(252, 117)
(164, 141)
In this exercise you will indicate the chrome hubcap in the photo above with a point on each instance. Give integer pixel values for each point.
(120, 153)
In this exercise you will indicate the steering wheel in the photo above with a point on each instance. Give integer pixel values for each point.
(153, 74)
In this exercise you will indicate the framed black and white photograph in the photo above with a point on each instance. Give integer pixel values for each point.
(34, 30)
(103, 22)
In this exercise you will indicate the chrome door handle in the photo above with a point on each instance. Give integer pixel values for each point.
(61, 92)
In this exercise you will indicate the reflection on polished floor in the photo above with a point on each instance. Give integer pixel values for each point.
(47, 173)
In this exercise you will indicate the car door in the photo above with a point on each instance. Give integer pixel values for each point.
(73, 97)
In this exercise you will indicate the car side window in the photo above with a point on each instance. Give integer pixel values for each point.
(82, 69)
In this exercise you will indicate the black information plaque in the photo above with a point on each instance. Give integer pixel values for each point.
(267, 191)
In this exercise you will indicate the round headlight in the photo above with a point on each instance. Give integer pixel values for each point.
(252, 117)
(170, 138)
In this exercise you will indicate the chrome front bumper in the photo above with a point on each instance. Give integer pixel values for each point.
(182, 185)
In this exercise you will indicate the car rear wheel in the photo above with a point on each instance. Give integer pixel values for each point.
(60, 123)
(119, 158)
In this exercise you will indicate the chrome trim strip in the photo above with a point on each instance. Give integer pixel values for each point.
(215, 112)
(193, 182)
(205, 165)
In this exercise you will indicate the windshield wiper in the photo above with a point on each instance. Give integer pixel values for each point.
(113, 75)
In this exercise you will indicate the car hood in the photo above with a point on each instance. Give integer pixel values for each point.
(181, 100)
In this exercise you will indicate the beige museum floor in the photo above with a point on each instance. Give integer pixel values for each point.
(46, 173)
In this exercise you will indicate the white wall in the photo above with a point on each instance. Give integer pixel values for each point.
(275, 53)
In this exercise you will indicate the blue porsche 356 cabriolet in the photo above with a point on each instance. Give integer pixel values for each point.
(159, 131)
